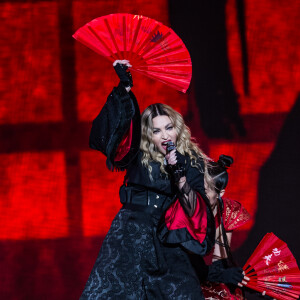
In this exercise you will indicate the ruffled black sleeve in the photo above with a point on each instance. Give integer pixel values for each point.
(119, 113)
(189, 220)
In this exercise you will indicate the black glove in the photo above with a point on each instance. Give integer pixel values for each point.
(178, 170)
(219, 273)
(233, 275)
(124, 75)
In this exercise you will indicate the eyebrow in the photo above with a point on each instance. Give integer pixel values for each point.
(169, 124)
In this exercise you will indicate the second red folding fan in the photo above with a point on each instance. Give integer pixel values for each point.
(273, 270)
(152, 48)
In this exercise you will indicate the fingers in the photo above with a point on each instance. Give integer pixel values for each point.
(170, 153)
(171, 157)
(243, 283)
(116, 62)
(122, 62)
(246, 278)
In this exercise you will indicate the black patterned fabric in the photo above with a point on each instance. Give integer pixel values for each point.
(133, 264)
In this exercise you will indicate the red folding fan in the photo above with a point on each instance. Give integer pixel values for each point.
(273, 270)
(152, 48)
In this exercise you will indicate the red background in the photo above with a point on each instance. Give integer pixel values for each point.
(57, 199)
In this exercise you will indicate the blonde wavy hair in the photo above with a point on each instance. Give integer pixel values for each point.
(185, 143)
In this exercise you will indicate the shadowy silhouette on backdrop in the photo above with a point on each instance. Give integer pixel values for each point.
(201, 25)
(278, 191)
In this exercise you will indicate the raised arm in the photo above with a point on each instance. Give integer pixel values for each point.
(116, 131)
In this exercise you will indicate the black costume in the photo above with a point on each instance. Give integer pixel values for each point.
(133, 263)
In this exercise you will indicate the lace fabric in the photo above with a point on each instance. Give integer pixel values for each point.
(188, 199)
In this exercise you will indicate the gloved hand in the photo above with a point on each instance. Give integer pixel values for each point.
(121, 68)
(178, 158)
(232, 275)
(176, 162)
(219, 273)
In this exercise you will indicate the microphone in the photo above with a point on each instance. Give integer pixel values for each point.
(178, 169)
(170, 146)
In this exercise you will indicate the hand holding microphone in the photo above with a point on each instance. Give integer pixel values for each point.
(175, 161)
(171, 153)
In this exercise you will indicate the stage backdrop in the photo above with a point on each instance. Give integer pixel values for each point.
(57, 199)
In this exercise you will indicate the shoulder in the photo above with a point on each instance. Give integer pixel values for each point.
(196, 160)
(234, 214)
(195, 164)
(195, 172)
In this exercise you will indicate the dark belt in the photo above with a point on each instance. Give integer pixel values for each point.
(140, 196)
(142, 208)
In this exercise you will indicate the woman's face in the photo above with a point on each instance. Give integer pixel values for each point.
(163, 131)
